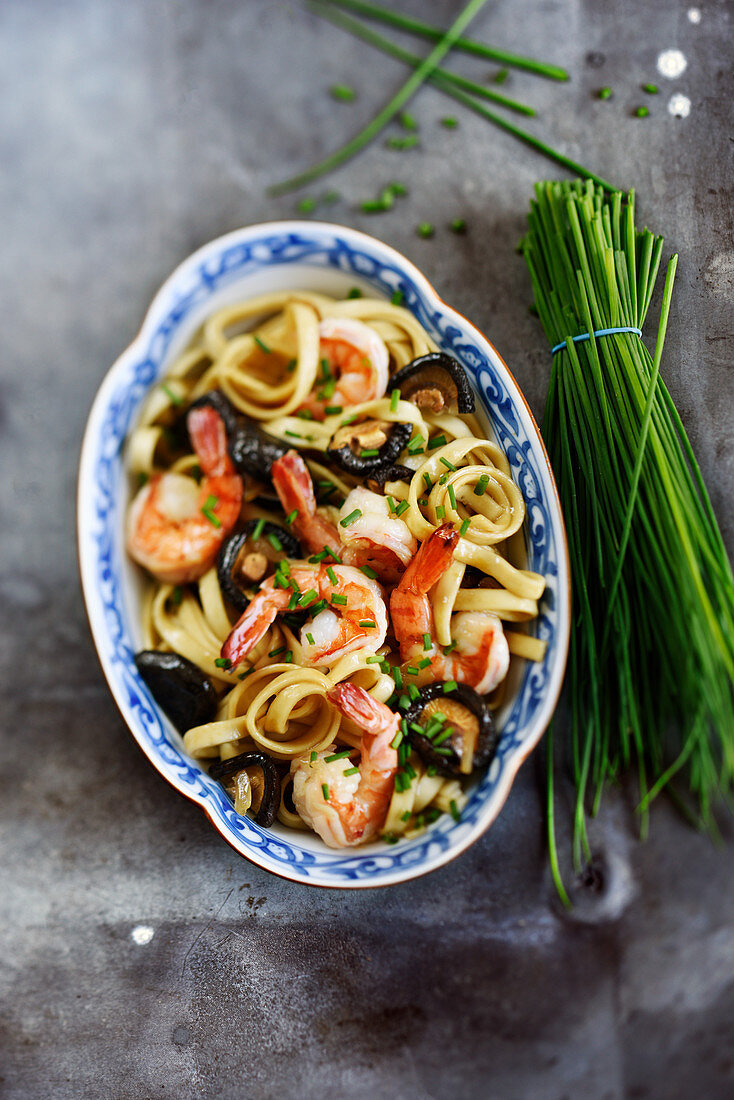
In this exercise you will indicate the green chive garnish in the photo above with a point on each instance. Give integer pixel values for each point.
(306, 206)
(262, 345)
(291, 365)
(452, 497)
(370, 453)
(331, 574)
(258, 529)
(481, 485)
(277, 652)
(439, 441)
(351, 771)
(604, 93)
(449, 122)
(424, 663)
(500, 76)
(308, 597)
(291, 516)
(641, 112)
(350, 518)
(402, 507)
(458, 225)
(368, 571)
(309, 639)
(440, 512)
(293, 435)
(314, 755)
(245, 674)
(343, 93)
(172, 397)
(455, 810)
(367, 623)
(274, 541)
(449, 686)
(397, 676)
(336, 598)
(333, 410)
(391, 504)
(333, 554)
(464, 528)
(397, 298)
(425, 230)
(403, 142)
(406, 816)
(411, 670)
(394, 398)
(223, 662)
(413, 692)
(407, 121)
(207, 510)
(316, 559)
(355, 292)
(447, 464)
(395, 743)
(325, 791)
(177, 595)
(337, 756)
(651, 89)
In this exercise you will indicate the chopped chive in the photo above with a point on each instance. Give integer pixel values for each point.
(348, 420)
(440, 512)
(262, 345)
(291, 516)
(283, 567)
(223, 662)
(354, 292)
(374, 660)
(291, 365)
(258, 529)
(407, 121)
(415, 447)
(444, 751)
(368, 571)
(452, 497)
(455, 810)
(391, 503)
(274, 541)
(642, 112)
(423, 501)
(406, 816)
(447, 464)
(395, 743)
(317, 607)
(417, 728)
(428, 483)
(426, 641)
(333, 410)
(308, 597)
(402, 507)
(172, 397)
(449, 122)
(315, 559)
(333, 554)
(458, 225)
(443, 479)
(304, 414)
(325, 791)
(651, 89)
(439, 740)
(411, 670)
(277, 652)
(375, 206)
(413, 692)
(350, 518)
(245, 674)
(439, 441)
(337, 756)
(449, 686)
(397, 298)
(293, 601)
(309, 639)
(367, 623)
(500, 76)
(604, 93)
(404, 702)
(408, 142)
(336, 598)
(177, 595)
(410, 771)
(481, 485)
(431, 770)
(394, 398)
(464, 528)
(293, 435)
(207, 511)
(351, 771)
(305, 206)
(288, 658)
(370, 453)
(314, 755)
(398, 189)
(331, 574)
(342, 92)
(397, 676)
(424, 663)
(425, 230)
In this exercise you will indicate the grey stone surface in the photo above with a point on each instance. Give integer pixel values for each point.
(132, 132)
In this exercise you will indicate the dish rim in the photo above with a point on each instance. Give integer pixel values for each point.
(540, 720)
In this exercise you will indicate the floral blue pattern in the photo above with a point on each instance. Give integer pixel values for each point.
(223, 263)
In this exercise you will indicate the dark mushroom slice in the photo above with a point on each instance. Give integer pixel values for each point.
(253, 451)
(435, 382)
(265, 790)
(179, 687)
(460, 742)
(378, 479)
(370, 445)
(247, 556)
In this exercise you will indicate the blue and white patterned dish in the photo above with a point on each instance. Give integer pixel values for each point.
(329, 258)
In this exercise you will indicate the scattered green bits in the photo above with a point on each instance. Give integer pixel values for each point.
(306, 206)
(449, 122)
(425, 230)
(651, 89)
(641, 112)
(397, 300)
(604, 93)
(407, 142)
(458, 225)
(501, 76)
(343, 93)
(407, 121)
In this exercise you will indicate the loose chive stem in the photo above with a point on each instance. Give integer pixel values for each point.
(467, 45)
(388, 112)
(414, 60)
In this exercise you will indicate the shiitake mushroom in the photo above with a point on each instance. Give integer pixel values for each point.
(244, 559)
(435, 382)
(378, 479)
(368, 446)
(473, 739)
(267, 792)
(215, 399)
(179, 687)
(253, 451)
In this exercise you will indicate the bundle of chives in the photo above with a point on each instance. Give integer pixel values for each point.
(651, 665)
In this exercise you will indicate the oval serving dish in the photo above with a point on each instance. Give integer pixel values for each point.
(332, 259)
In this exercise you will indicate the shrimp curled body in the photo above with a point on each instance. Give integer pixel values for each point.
(356, 362)
(348, 810)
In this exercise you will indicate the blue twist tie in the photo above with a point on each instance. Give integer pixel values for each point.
(599, 332)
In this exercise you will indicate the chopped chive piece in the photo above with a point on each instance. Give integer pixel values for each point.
(350, 518)
(449, 686)
(211, 503)
(406, 816)
(336, 598)
(424, 663)
(391, 504)
(337, 756)
(375, 206)
(325, 791)
(293, 435)
(407, 121)
(431, 770)
(368, 571)
(308, 597)
(651, 89)
(177, 595)
(397, 298)
(277, 652)
(444, 751)
(395, 743)
(223, 662)
(428, 483)
(262, 345)
(245, 674)
(458, 225)
(425, 230)
(423, 501)
(398, 189)
(333, 554)
(291, 365)
(374, 660)
(500, 76)
(439, 441)
(258, 529)
(403, 142)
(351, 771)
(397, 676)
(415, 447)
(449, 122)
(315, 559)
(452, 497)
(390, 838)
(404, 702)
(304, 414)
(402, 507)
(604, 93)
(355, 292)
(293, 602)
(284, 567)
(314, 755)
(333, 410)
(172, 397)
(348, 420)
(367, 623)
(455, 810)
(439, 740)
(447, 464)
(288, 658)
(410, 771)
(411, 670)
(309, 639)
(413, 692)
(317, 607)
(464, 528)
(370, 453)
(481, 485)
(342, 92)
(331, 574)
(426, 641)
(306, 205)
(440, 512)
(291, 516)
(443, 479)
(641, 112)
(394, 398)
(417, 728)
(274, 541)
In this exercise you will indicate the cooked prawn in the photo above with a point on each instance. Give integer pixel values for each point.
(354, 365)
(175, 526)
(349, 809)
(377, 537)
(480, 656)
(294, 487)
(355, 618)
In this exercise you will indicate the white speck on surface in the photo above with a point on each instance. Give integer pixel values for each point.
(671, 63)
(679, 106)
(694, 15)
(141, 934)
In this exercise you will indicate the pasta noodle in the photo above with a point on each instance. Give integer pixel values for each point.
(319, 656)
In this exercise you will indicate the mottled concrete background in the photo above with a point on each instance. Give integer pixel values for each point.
(131, 132)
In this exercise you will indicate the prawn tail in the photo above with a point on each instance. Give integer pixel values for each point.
(208, 436)
(432, 560)
(354, 702)
(246, 633)
(293, 484)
